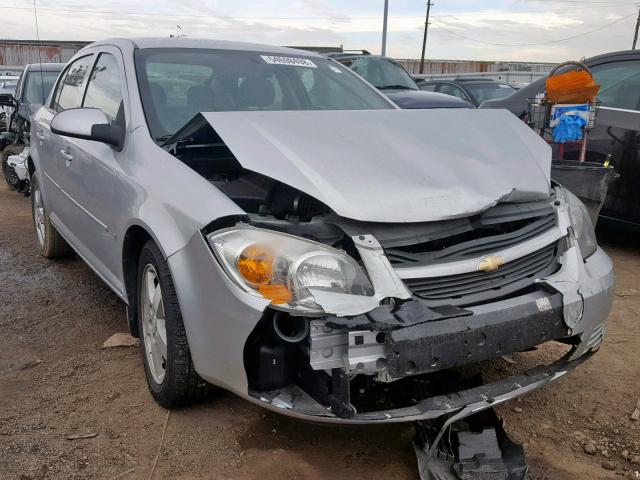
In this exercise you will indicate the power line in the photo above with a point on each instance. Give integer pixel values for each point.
(559, 40)
(340, 18)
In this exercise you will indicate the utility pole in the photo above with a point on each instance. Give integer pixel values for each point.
(424, 39)
(635, 36)
(384, 28)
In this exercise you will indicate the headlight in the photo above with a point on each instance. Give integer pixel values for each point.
(581, 223)
(281, 268)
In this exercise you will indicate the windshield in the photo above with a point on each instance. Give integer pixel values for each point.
(381, 72)
(176, 84)
(489, 91)
(34, 93)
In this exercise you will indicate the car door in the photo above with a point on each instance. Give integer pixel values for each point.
(89, 171)
(616, 133)
(454, 90)
(47, 147)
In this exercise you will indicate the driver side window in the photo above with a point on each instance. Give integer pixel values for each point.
(71, 85)
(105, 88)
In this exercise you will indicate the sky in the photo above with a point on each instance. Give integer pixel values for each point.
(514, 30)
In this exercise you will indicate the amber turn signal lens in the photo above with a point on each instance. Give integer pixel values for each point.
(278, 293)
(255, 264)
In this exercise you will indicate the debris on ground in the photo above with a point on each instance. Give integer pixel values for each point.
(508, 359)
(120, 340)
(475, 447)
(609, 465)
(627, 292)
(590, 448)
(82, 436)
(30, 364)
(636, 413)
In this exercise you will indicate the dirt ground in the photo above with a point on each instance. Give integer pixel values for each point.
(56, 381)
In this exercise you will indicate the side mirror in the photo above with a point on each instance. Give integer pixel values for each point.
(7, 100)
(88, 124)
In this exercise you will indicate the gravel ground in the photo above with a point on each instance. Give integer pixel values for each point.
(56, 381)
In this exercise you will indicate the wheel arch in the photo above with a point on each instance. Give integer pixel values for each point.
(31, 167)
(133, 240)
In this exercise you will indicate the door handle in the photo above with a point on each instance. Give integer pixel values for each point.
(40, 136)
(66, 155)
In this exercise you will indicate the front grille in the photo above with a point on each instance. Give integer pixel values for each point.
(494, 230)
(492, 243)
(478, 287)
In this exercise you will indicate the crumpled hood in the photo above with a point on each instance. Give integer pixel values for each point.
(394, 165)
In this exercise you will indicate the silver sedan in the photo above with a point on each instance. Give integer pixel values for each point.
(278, 228)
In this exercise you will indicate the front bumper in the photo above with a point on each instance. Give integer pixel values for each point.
(574, 302)
(472, 400)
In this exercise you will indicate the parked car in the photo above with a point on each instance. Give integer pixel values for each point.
(31, 89)
(394, 81)
(7, 86)
(616, 132)
(280, 229)
(474, 90)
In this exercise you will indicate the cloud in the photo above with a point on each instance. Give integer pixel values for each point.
(355, 24)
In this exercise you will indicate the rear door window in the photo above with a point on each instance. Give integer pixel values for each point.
(619, 84)
(429, 87)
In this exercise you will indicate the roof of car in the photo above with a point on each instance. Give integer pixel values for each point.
(45, 67)
(610, 55)
(182, 42)
(343, 56)
(473, 79)
(463, 82)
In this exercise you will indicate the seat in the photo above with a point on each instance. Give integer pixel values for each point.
(201, 98)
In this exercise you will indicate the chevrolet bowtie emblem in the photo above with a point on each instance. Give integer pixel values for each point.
(490, 263)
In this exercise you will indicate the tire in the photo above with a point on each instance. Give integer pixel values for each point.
(50, 243)
(9, 173)
(171, 377)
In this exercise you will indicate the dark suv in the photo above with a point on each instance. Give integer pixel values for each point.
(474, 90)
(394, 81)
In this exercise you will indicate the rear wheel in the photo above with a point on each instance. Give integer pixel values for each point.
(8, 171)
(50, 242)
(171, 376)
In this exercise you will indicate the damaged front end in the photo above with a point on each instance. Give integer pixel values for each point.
(366, 327)
(342, 319)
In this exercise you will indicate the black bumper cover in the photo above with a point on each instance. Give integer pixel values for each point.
(441, 344)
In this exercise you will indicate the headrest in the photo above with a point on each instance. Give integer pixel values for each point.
(201, 97)
(256, 92)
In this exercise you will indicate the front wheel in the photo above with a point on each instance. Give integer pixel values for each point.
(171, 376)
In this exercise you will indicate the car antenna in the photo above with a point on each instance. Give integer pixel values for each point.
(35, 14)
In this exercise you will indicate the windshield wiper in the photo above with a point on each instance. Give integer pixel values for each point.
(395, 87)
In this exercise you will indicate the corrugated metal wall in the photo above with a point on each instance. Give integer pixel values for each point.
(20, 53)
(461, 66)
